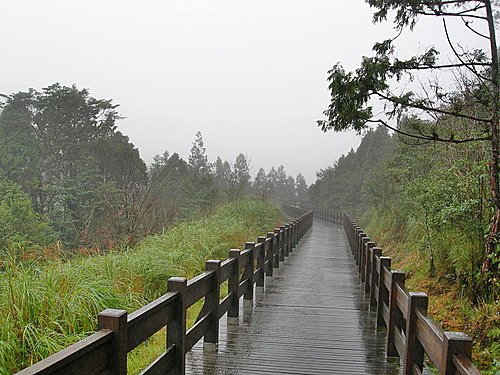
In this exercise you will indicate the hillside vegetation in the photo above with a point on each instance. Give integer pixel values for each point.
(427, 206)
(47, 304)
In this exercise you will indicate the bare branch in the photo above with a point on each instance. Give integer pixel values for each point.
(429, 138)
(459, 57)
(466, 23)
(396, 100)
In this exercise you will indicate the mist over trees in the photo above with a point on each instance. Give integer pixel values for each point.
(435, 194)
(465, 111)
(67, 174)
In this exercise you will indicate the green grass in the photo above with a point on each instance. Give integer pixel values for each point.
(48, 305)
(449, 304)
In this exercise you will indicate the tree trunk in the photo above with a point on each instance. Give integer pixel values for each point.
(490, 266)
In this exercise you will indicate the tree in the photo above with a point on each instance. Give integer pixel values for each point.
(239, 178)
(291, 194)
(126, 209)
(474, 99)
(222, 174)
(301, 187)
(198, 159)
(18, 220)
(204, 190)
(61, 146)
(260, 184)
(56, 130)
(272, 181)
(171, 189)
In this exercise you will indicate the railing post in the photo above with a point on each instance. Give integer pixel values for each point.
(414, 351)
(372, 274)
(234, 288)
(454, 343)
(289, 241)
(261, 261)
(353, 239)
(270, 253)
(295, 226)
(116, 320)
(395, 318)
(249, 270)
(362, 256)
(211, 339)
(284, 251)
(357, 243)
(383, 292)
(277, 231)
(366, 272)
(295, 230)
(176, 329)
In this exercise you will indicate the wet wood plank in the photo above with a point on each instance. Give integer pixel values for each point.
(310, 318)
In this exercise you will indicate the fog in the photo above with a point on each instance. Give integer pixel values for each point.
(250, 75)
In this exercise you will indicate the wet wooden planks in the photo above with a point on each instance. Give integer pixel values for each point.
(310, 318)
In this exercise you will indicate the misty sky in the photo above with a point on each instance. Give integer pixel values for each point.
(249, 74)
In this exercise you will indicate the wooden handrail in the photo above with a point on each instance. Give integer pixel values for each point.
(105, 352)
(410, 331)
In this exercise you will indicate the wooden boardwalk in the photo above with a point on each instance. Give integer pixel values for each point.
(311, 318)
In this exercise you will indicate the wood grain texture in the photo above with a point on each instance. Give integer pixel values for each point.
(310, 318)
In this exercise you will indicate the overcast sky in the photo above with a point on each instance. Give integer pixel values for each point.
(249, 74)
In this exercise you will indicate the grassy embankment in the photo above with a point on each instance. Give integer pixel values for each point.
(447, 303)
(46, 305)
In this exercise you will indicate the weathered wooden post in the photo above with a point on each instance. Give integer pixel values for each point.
(270, 253)
(277, 233)
(211, 339)
(366, 271)
(374, 275)
(288, 240)
(261, 261)
(295, 232)
(116, 320)
(249, 270)
(454, 343)
(395, 318)
(362, 256)
(357, 244)
(233, 287)
(414, 351)
(176, 329)
(383, 292)
(284, 251)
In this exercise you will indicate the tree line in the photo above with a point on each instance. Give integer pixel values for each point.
(432, 116)
(435, 194)
(69, 176)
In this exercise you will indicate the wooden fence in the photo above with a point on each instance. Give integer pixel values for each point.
(105, 352)
(410, 331)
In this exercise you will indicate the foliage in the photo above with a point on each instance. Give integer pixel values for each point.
(233, 181)
(471, 102)
(346, 184)
(60, 145)
(46, 306)
(429, 208)
(18, 221)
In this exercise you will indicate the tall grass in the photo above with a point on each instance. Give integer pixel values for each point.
(408, 242)
(48, 305)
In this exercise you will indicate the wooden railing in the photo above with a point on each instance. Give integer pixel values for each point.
(410, 331)
(105, 352)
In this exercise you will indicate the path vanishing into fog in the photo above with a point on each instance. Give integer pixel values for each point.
(310, 318)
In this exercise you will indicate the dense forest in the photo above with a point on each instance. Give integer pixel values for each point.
(427, 205)
(429, 192)
(85, 224)
(70, 179)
